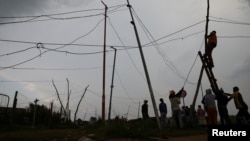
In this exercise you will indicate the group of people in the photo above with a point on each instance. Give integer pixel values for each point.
(175, 106)
(211, 109)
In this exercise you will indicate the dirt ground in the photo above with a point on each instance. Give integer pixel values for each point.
(202, 137)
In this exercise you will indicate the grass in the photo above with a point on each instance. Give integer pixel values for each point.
(140, 130)
(41, 135)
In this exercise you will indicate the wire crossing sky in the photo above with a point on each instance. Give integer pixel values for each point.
(41, 41)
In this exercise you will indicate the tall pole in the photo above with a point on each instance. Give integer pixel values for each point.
(202, 68)
(104, 66)
(112, 84)
(13, 112)
(145, 67)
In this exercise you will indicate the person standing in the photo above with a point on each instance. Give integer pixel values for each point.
(175, 106)
(200, 112)
(241, 106)
(144, 110)
(222, 101)
(210, 107)
(163, 111)
(211, 44)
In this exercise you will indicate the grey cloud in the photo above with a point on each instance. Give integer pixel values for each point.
(245, 1)
(243, 69)
(248, 1)
(33, 7)
(22, 7)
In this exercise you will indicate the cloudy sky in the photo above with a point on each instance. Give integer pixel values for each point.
(47, 40)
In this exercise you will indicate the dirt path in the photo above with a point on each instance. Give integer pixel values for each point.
(202, 137)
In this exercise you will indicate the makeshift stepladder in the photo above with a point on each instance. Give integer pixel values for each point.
(209, 72)
(211, 78)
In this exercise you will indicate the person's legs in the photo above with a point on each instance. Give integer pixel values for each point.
(214, 116)
(239, 117)
(246, 114)
(209, 116)
(226, 117)
(220, 109)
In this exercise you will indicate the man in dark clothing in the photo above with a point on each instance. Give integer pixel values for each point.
(222, 101)
(144, 110)
(241, 106)
(163, 111)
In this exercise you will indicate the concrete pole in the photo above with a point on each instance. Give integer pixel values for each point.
(145, 68)
(112, 85)
(104, 65)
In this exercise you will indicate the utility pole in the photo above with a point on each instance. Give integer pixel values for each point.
(202, 68)
(104, 65)
(13, 112)
(145, 67)
(112, 85)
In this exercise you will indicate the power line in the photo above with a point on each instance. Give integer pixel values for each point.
(224, 20)
(63, 13)
(161, 52)
(197, 23)
(57, 69)
(41, 45)
(126, 50)
(50, 16)
(19, 51)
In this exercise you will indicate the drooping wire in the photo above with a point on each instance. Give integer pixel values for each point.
(197, 23)
(19, 51)
(50, 16)
(41, 53)
(166, 61)
(126, 49)
(193, 66)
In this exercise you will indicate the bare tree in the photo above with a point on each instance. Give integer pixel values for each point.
(80, 102)
(64, 111)
(67, 105)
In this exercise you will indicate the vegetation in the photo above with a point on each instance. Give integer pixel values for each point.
(136, 129)
(51, 126)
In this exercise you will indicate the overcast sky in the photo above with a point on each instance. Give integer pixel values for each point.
(70, 37)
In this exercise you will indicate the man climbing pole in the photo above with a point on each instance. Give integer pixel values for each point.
(211, 44)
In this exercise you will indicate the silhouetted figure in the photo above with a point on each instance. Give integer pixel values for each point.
(241, 106)
(211, 44)
(200, 112)
(175, 106)
(144, 110)
(222, 101)
(163, 111)
(210, 107)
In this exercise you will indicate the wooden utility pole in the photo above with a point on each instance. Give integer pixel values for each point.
(13, 112)
(145, 67)
(104, 65)
(112, 85)
(202, 68)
